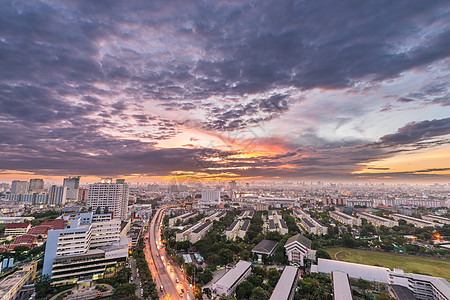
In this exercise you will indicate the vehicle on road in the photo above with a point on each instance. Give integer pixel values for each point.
(182, 290)
(171, 270)
(161, 288)
(176, 279)
(131, 278)
(181, 295)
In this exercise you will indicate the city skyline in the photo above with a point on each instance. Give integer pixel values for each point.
(225, 90)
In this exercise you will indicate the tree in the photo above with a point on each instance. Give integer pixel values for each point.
(226, 256)
(259, 294)
(125, 291)
(273, 275)
(42, 286)
(244, 290)
(322, 254)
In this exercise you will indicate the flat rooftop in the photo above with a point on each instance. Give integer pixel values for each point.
(284, 285)
(244, 226)
(308, 222)
(9, 282)
(233, 274)
(201, 227)
(341, 286)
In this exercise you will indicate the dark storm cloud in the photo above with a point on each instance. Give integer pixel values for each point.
(415, 132)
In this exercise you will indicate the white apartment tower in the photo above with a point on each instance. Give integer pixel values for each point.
(110, 196)
(19, 187)
(72, 184)
(57, 195)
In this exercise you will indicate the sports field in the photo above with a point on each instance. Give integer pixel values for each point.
(409, 263)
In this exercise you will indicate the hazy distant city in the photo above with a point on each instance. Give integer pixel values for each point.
(224, 150)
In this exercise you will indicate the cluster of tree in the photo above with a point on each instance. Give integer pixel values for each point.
(148, 285)
(259, 285)
(314, 286)
(46, 216)
(21, 253)
(290, 221)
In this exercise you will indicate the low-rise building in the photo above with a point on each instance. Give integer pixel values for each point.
(417, 222)
(182, 218)
(376, 220)
(341, 286)
(10, 287)
(226, 285)
(297, 248)
(200, 232)
(433, 218)
(16, 229)
(421, 286)
(265, 247)
(285, 288)
(344, 218)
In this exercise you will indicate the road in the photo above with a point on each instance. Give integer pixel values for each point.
(161, 267)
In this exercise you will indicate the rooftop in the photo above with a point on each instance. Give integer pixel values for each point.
(265, 247)
(233, 274)
(301, 239)
(284, 284)
(232, 225)
(201, 227)
(244, 226)
(308, 222)
(17, 225)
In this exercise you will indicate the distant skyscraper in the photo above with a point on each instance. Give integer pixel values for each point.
(19, 187)
(113, 196)
(210, 197)
(82, 194)
(72, 184)
(232, 190)
(36, 185)
(57, 195)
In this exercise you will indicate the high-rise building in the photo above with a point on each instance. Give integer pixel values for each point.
(109, 195)
(82, 194)
(19, 187)
(72, 184)
(231, 193)
(84, 247)
(57, 195)
(210, 197)
(36, 185)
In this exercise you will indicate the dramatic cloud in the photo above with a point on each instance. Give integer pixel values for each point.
(307, 89)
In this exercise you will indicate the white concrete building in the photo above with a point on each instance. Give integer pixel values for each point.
(285, 288)
(182, 218)
(297, 248)
(376, 220)
(344, 218)
(57, 195)
(341, 286)
(226, 285)
(84, 248)
(433, 218)
(210, 198)
(417, 222)
(422, 286)
(113, 196)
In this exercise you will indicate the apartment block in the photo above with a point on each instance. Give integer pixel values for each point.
(344, 218)
(376, 220)
(417, 222)
(226, 285)
(433, 218)
(195, 232)
(182, 218)
(16, 229)
(86, 247)
(110, 196)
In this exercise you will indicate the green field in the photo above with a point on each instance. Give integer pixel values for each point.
(409, 263)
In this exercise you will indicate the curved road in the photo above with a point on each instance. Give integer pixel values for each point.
(161, 271)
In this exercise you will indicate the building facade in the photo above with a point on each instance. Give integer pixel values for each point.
(110, 196)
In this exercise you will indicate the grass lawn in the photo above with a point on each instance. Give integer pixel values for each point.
(409, 263)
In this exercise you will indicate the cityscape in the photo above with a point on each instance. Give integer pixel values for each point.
(225, 150)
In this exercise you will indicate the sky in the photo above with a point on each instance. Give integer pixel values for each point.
(225, 90)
